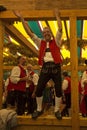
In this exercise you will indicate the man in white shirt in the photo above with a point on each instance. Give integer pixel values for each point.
(16, 86)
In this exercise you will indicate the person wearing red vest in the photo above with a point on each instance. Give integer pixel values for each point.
(31, 85)
(66, 87)
(50, 59)
(16, 86)
(83, 105)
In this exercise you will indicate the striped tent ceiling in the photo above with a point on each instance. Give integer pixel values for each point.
(37, 27)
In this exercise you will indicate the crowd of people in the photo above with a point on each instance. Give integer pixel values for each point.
(20, 87)
(27, 96)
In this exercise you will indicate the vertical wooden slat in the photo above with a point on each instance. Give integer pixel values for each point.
(1, 60)
(74, 73)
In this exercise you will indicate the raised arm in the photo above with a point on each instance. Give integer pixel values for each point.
(59, 32)
(25, 25)
(57, 14)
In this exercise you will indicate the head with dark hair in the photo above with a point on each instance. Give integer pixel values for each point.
(21, 60)
(65, 73)
(18, 58)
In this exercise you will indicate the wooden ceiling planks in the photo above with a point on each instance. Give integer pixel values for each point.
(18, 4)
(46, 5)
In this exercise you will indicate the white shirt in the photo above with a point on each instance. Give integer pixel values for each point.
(37, 40)
(64, 84)
(15, 75)
(48, 56)
(84, 78)
(6, 83)
(34, 79)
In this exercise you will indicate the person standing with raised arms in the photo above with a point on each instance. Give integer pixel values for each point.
(50, 59)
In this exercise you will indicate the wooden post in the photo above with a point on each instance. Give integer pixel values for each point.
(74, 74)
(1, 60)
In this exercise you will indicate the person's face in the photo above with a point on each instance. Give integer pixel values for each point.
(23, 60)
(47, 34)
(29, 68)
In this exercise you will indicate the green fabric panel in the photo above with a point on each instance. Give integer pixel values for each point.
(78, 36)
(78, 28)
(79, 51)
(34, 26)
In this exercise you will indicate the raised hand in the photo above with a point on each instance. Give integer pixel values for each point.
(57, 13)
(17, 13)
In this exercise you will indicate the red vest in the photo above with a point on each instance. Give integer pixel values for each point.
(10, 86)
(21, 85)
(54, 49)
(80, 88)
(85, 87)
(68, 90)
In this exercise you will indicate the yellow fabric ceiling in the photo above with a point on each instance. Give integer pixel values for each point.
(53, 26)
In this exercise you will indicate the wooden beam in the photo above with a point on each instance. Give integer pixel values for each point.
(44, 120)
(28, 15)
(1, 60)
(81, 28)
(83, 122)
(47, 14)
(19, 37)
(74, 74)
(66, 30)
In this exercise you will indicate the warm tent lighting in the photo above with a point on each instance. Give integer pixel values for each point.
(84, 29)
(6, 54)
(18, 54)
(43, 23)
(40, 25)
(6, 49)
(20, 28)
(14, 42)
(84, 53)
(65, 53)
